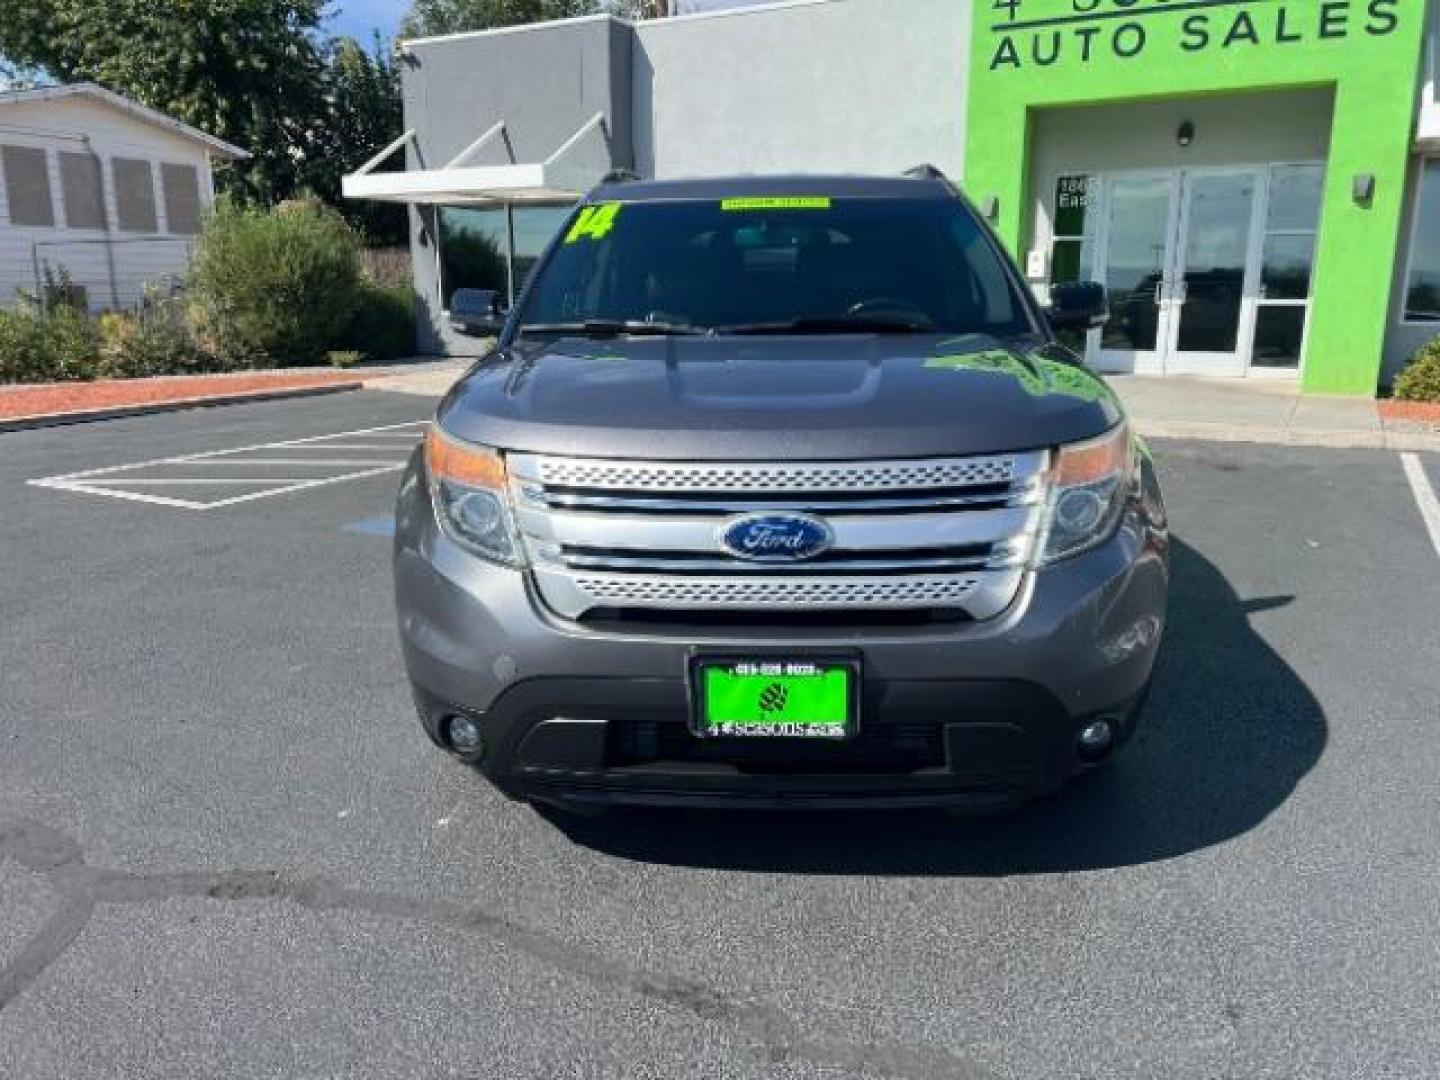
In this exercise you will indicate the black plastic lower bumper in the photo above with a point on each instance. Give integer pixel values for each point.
(951, 743)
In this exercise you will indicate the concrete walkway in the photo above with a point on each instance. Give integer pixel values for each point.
(1262, 411)
(426, 379)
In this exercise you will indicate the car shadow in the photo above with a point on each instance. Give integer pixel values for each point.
(1229, 732)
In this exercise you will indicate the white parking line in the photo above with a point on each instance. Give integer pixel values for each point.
(329, 462)
(113, 481)
(1424, 496)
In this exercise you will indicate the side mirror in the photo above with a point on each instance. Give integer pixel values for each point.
(477, 312)
(1082, 305)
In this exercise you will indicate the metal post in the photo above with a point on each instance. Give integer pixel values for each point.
(510, 251)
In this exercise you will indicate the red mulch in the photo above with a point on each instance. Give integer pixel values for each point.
(1416, 412)
(46, 399)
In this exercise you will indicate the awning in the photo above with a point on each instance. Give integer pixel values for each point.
(578, 165)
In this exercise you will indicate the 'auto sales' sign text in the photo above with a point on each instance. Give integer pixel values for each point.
(1086, 30)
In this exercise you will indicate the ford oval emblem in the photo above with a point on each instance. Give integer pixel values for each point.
(776, 537)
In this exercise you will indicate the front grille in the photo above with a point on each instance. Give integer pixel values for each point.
(804, 478)
(622, 591)
(931, 535)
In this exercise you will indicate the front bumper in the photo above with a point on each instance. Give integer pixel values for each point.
(969, 715)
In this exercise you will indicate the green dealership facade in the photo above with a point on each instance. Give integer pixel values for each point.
(1252, 180)
(1225, 254)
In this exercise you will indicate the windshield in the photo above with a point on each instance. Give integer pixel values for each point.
(776, 265)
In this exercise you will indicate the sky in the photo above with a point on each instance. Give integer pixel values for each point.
(359, 18)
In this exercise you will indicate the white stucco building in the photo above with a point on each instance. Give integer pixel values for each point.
(101, 186)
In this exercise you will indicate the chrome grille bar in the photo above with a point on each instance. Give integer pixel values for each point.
(657, 477)
(941, 534)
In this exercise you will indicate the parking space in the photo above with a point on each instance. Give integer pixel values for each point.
(211, 479)
(225, 848)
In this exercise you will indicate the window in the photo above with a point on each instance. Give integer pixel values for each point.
(707, 264)
(1070, 252)
(1287, 263)
(473, 246)
(135, 195)
(535, 227)
(1422, 284)
(181, 185)
(83, 190)
(27, 185)
(472, 251)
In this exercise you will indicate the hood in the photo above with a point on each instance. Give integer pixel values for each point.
(831, 397)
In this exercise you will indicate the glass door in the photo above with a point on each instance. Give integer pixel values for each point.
(1214, 284)
(1135, 252)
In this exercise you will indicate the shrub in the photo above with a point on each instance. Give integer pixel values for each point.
(275, 287)
(1420, 381)
(384, 324)
(343, 358)
(41, 346)
(157, 339)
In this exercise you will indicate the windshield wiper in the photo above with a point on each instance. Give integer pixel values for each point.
(832, 324)
(604, 328)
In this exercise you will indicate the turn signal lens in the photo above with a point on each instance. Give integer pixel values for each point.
(1088, 486)
(472, 466)
(1086, 462)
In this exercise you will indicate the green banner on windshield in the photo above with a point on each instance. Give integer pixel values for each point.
(793, 202)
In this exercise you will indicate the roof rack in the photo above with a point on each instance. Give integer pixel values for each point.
(620, 176)
(926, 172)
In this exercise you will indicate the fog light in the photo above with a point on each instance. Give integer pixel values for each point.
(463, 735)
(1096, 739)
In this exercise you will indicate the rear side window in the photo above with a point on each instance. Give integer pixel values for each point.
(709, 263)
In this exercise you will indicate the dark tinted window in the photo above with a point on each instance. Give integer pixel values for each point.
(134, 194)
(1422, 289)
(181, 185)
(27, 180)
(709, 264)
(83, 187)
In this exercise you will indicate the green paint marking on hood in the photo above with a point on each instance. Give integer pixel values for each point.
(1036, 375)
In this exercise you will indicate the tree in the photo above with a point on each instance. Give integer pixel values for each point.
(248, 71)
(361, 114)
(431, 17)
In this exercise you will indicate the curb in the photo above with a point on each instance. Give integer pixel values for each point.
(117, 412)
(1335, 440)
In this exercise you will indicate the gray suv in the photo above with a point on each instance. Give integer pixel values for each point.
(779, 492)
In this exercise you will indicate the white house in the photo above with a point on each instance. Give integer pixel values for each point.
(101, 186)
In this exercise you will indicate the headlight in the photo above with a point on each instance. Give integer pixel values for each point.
(1088, 487)
(469, 487)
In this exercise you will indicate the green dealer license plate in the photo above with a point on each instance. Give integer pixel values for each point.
(776, 699)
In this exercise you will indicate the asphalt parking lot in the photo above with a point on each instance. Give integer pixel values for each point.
(227, 850)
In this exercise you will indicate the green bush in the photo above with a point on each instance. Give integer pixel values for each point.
(1420, 381)
(275, 287)
(44, 346)
(157, 339)
(384, 324)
